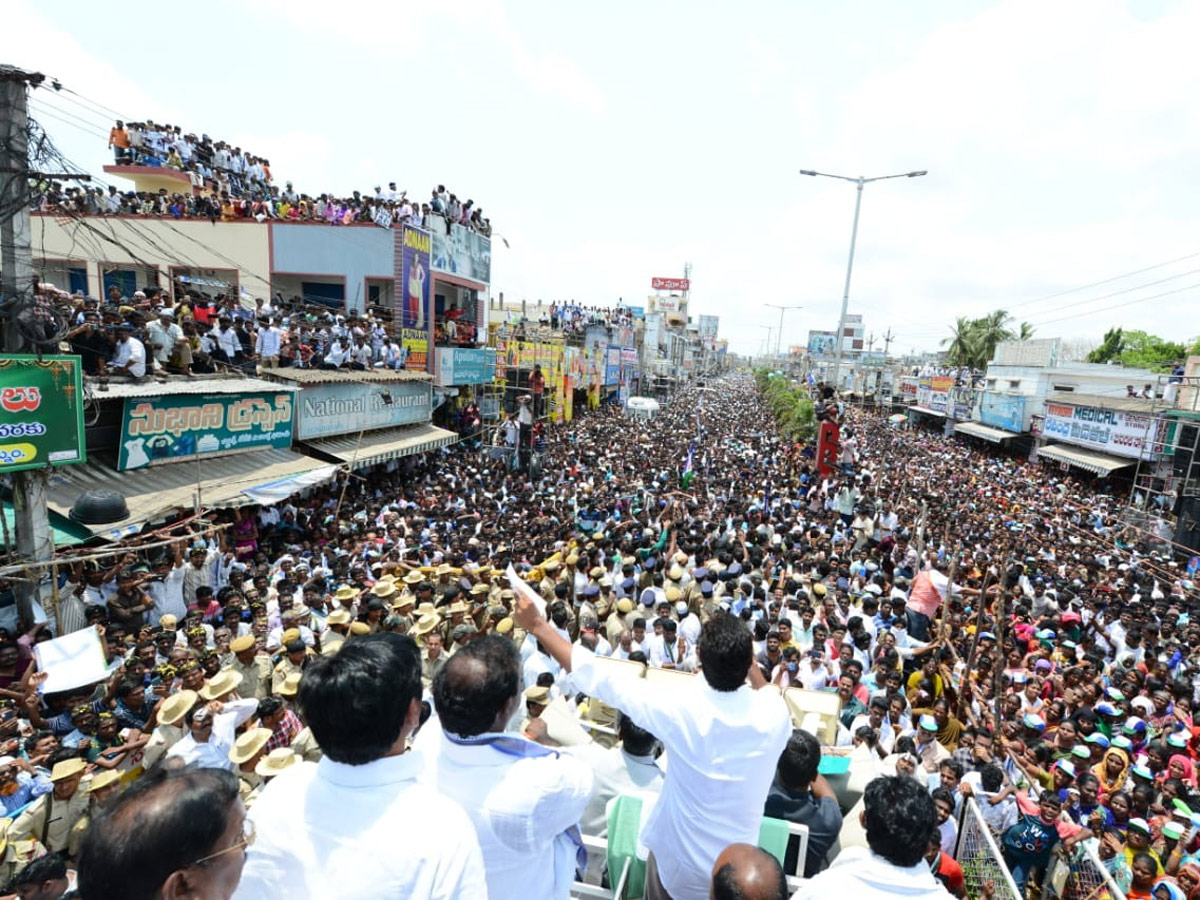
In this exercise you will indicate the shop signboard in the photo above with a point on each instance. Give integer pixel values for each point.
(638, 312)
(908, 387)
(41, 399)
(1005, 411)
(459, 251)
(1112, 431)
(464, 365)
(962, 402)
(667, 304)
(413, 292)
(670, 284)
(325, 410)
(933, 392)
(159, 430)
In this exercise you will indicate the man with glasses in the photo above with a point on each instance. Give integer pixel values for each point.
(171, 834)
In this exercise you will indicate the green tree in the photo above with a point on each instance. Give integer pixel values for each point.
(1148, 351)
(962, 341)
(1026, 332)
(1110, 348)
(991, 330)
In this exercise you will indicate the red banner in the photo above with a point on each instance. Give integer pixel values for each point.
(828, 449)
(670, 284)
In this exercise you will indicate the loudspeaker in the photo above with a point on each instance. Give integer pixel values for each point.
(1185, 449)
(1187, 528)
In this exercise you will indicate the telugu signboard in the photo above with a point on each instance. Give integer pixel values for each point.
(413, 293)
(157, 430)
(670, 284)
(326, 410)
(464, 365)
(462, 252)
(1113, 431)
(41, 412)
(667, 304)
(934, 392)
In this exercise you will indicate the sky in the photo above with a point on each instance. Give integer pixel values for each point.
(613, 143)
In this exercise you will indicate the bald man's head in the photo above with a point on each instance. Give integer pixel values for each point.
(743, 872)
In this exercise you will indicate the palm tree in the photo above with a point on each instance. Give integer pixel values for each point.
(1026, 332)
(992, 329)
(962, 341)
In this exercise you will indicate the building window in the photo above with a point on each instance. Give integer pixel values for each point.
(991, 382)
(1014, 383)
(1064, 388)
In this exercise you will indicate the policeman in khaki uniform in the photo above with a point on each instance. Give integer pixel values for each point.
(254, 667)
(51, 817)
(294, 652)
(338, 623)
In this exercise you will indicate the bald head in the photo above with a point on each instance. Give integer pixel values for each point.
(743, 872)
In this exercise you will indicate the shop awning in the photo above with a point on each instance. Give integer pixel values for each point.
(924, 410)
(977, 429)
(386, 443)
(156, 491)
(1099, 463)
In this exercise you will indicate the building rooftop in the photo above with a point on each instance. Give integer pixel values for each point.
(350, 376)
(176, 384)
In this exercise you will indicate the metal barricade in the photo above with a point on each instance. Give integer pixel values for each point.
(980, 856)
(1079, 875)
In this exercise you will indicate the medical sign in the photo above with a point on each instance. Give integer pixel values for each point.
(670, 284)
(41, 412)
(157, 430)
(1114, 431)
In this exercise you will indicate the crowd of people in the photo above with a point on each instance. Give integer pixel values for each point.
(228, 184)
(401, 716)
(151, 334)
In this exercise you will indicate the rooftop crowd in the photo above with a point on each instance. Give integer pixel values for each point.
(151, 334)
(401, 719)
(230, 184)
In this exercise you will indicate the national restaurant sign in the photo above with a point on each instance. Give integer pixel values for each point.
(1112, 431)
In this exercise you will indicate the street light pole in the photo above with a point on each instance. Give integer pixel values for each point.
(779, 335)
(858, 183)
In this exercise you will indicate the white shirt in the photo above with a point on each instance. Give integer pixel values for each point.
(518, 805)
(168, 596)
(214, 753)
(723, 748)
(227, 341)
(859, 874)
(131, 352)
(332, 830)
(268, 341)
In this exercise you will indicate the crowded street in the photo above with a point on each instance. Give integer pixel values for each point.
(988, 628)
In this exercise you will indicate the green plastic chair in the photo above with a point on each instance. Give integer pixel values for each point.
(624, 824)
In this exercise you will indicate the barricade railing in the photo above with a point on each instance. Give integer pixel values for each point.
(980, 857)
(1080, 875)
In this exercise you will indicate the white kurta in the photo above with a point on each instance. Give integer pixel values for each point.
(723, 748)
(332, 830)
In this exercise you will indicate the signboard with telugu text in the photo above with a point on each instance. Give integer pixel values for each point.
(670, 284)
(1113, 431)
(157, 430)
(41, 412)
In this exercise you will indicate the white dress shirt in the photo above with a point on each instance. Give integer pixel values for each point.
(214, 753)
(519, 807)
(267, 343)
(723, 748)
(333, 830)
(859, 874)
(130, 352)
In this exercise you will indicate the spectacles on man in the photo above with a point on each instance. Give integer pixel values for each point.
(247, 841)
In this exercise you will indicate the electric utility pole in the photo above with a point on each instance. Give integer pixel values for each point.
(35, 542)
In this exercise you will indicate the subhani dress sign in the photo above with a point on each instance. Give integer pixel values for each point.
(414, 312)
